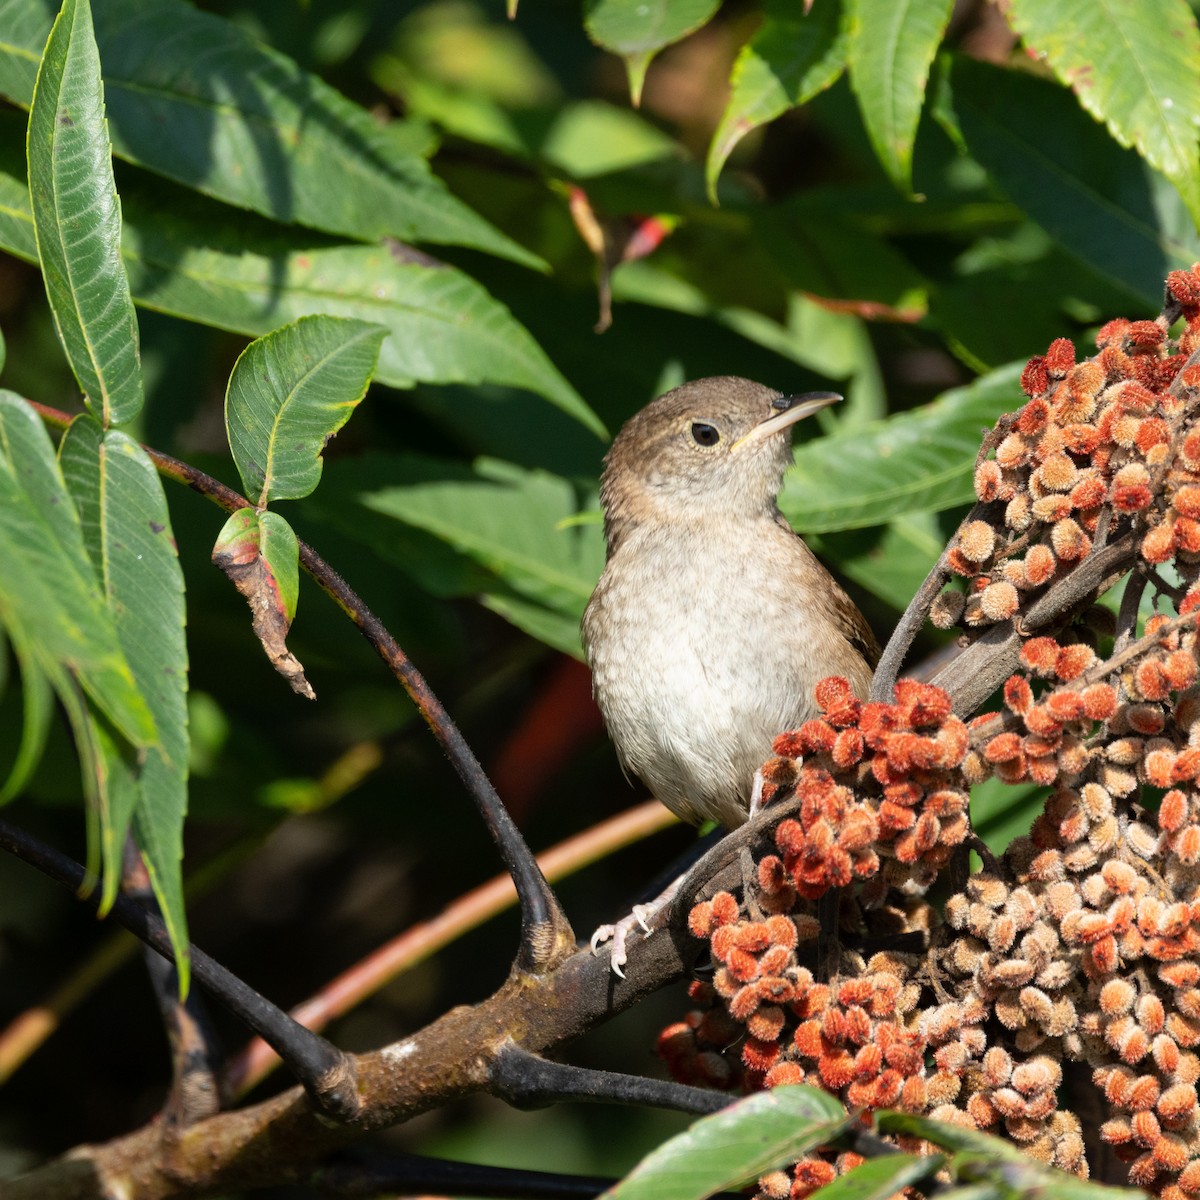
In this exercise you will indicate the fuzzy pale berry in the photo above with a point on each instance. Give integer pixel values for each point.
(977, 541)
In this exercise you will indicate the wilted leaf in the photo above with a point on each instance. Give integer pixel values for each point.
(260, 554)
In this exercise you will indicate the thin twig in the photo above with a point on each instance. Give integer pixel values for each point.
(195, 1049)
(527, 1080)
(327, 1073)
(546, 935)
(28, 1031)
(1131, 602)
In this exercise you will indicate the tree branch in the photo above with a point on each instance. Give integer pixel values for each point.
(546, 935)
(528, 1081)
(326, 1072)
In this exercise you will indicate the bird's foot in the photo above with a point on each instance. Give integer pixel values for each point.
(617, 934)
(639, 919)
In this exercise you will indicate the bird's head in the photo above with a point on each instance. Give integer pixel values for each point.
(716, 447)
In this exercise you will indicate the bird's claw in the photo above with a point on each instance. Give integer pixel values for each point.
(756, 794)
(618, 934)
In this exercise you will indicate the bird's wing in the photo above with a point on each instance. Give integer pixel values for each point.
(852, 623)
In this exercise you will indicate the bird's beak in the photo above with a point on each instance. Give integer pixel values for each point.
(791, 409)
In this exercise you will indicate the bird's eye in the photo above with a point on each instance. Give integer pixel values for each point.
(704, 434)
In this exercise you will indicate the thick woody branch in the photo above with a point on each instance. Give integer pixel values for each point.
(284, 1140)
(985, 664)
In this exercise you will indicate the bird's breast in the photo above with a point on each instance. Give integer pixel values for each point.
(700, 654)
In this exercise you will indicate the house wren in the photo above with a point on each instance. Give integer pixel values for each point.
(712, 621)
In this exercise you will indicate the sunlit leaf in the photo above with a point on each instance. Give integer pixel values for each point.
(890, 561)
(1133, 65)
(891, 47)
(49, 596)
(77, 218)
(792, 57)
(185, 256)
(193, 97)
(128, 536)
(918, 461)
(1099, 202)
(290, 392)
(1002, 811)
(735, 1145)
(638, 29)
(879, 1178)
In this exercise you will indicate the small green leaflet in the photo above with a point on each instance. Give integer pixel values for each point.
(289, 393)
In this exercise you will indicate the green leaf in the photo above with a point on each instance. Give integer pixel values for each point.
(892, 44)
(539, 566)
(589, 138)
(1097, 201)
(739, 1143)
(49, 597)
(836, 259)
(638, 29)
(879, 1178)
(77, 217)
(982, 1157)
(38, 708)
(290, 392)
(792, 57)
(1002, 811)
(244, 124)
(918, 461)
(128, 536)
(947, 1136)
(1133, 65)
(280, 550)
(186, 257)
(508, 520)
(555, 629)
(117, 790)
(890, 561)
(260, 554)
